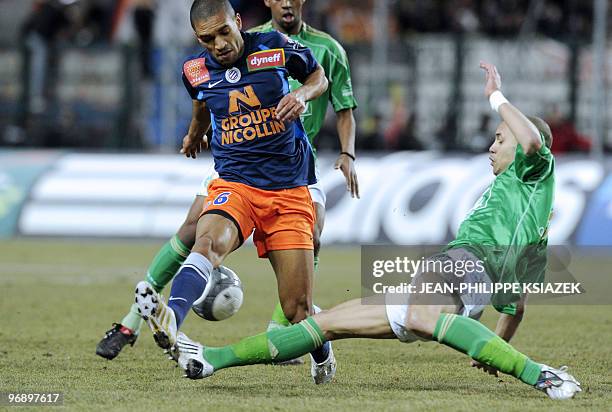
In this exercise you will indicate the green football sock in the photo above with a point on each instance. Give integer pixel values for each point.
(166, 263)
(480, 343)
(277, 345)
(133, 320)
(279, 320)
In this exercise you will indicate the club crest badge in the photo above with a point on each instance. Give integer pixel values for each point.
(233, 75)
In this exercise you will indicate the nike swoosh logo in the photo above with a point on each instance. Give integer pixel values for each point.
(211, 85)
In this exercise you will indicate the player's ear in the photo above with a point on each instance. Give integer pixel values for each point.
(267, 3)
(238, 21)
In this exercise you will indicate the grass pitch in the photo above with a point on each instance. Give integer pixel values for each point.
(59, 297)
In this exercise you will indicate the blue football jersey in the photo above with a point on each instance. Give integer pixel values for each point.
(248, 143)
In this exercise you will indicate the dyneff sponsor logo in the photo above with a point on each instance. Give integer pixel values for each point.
(266, 59)
(259, 61)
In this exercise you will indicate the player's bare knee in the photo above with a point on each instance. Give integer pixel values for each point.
(206, 246)
(413, 322)
(417, 321)
(296, 309)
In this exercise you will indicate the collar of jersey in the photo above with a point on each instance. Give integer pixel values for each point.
(302, 29)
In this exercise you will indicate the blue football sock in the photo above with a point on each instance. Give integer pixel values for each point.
(188, 285)
(320, 355)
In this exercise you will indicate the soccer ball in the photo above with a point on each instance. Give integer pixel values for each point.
(223, 297)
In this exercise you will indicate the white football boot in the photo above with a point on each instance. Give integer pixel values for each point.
(325, 371)
(157, 314)
(557, 383)
(191, 358)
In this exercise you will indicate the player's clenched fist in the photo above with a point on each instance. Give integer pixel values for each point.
(290, 107)
(194, 145)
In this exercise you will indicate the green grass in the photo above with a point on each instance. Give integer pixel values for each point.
(59, 297)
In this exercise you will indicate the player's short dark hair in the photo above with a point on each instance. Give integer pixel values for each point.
(543, 128)
(203, 9)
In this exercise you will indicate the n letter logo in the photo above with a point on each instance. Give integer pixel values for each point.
(238, 99)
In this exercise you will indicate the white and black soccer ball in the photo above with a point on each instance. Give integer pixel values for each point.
(223, 296)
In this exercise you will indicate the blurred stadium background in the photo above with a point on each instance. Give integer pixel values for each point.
(92, 111)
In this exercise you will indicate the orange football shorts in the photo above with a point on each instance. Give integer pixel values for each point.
(282, 219)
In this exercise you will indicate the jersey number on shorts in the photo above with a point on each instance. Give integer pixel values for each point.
(221, 198)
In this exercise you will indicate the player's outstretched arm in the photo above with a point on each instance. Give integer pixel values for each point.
(195, 141)
(507, 325)
(345, 125)
(294, 104)
(524, 131)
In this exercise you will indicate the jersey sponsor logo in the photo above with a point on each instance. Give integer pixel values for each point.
(233, 75)
(213, 84)
(248, 120)
(247, 100)
(196, 72)
(266, 59)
